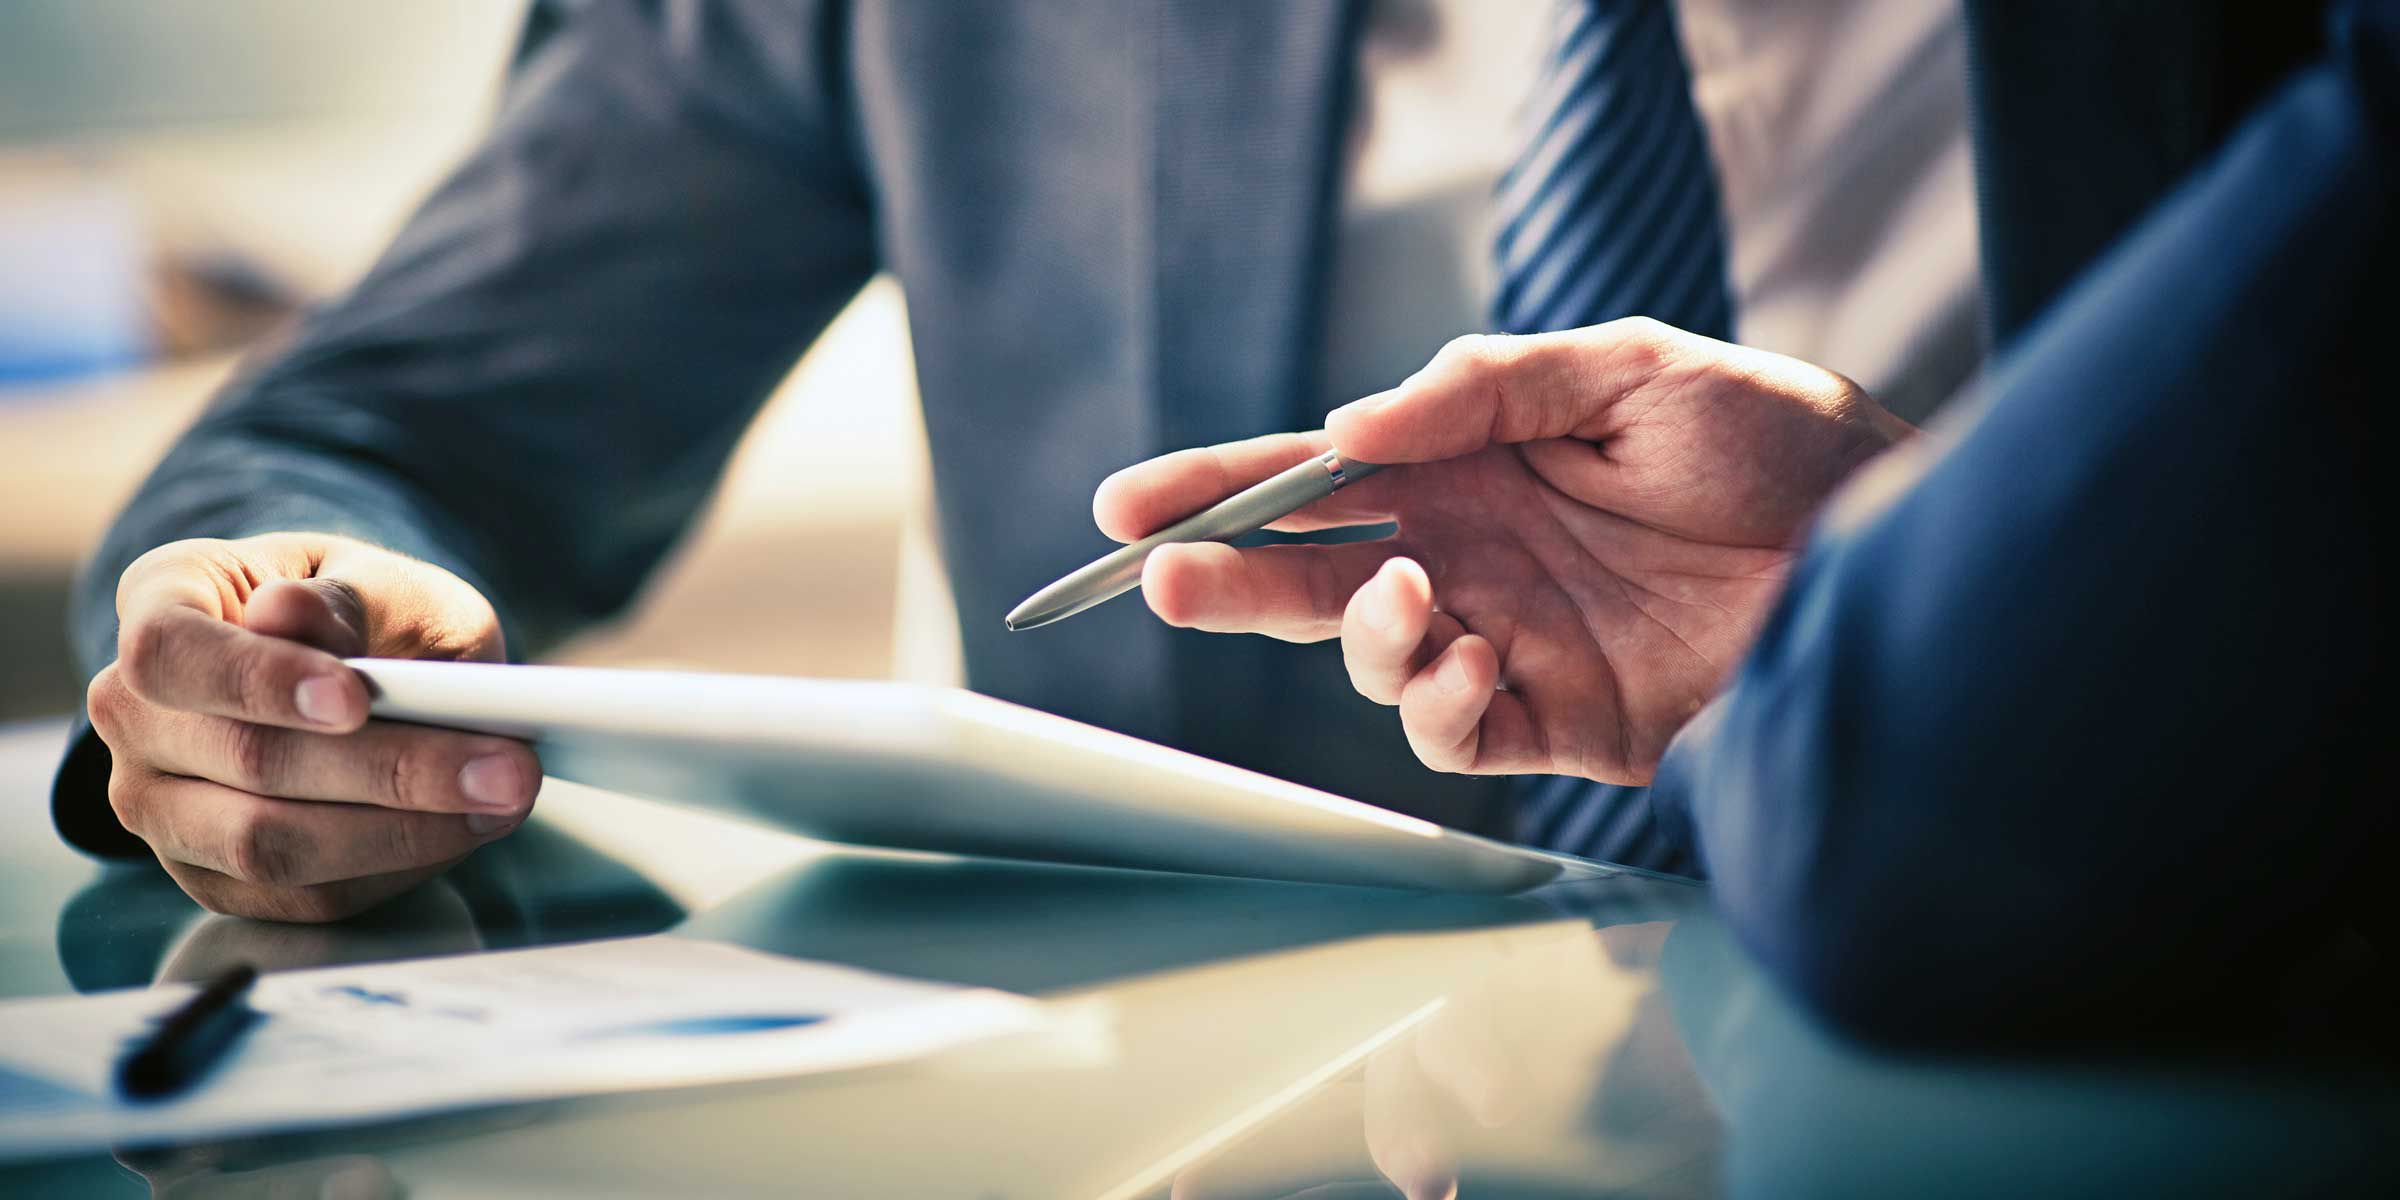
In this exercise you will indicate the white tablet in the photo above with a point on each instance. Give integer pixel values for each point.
(924, 768)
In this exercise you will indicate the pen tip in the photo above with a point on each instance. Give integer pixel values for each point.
(1010, 623)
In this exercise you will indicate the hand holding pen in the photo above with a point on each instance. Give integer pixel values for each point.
(1592, 527)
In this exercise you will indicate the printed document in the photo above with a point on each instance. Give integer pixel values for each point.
(356, 1043)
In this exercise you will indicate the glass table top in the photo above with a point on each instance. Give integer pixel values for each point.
(1243, 1039)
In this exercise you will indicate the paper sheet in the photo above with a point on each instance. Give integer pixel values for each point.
(353, 1043)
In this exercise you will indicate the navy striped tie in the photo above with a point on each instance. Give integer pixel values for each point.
(1610, 211)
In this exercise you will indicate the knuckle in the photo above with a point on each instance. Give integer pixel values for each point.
(1642, 342)
(405, 844)
(254, 756)
(1472, 352)
(201, 548)
(1436, 757)
(265, 849)
(1323, 599)
(1444, 751)
(127, 797)
(158, 558)
(1368, 682)
(411, 774)
(1172, 606)
(142, 650)
(107, 702)
(250, 678)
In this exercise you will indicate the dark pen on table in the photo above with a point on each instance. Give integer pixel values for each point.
(190, 1041)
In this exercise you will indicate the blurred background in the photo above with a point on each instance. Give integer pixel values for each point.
(178, 177)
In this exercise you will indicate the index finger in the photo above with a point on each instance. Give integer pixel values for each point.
(1149, 496)
(1498, 389)
(175, 651)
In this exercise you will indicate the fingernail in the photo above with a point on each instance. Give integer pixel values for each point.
(487, 824)
(1451, 676)
(492, 782)
(323, 700)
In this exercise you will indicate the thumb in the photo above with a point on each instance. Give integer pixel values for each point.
(364, 600)
(325, 613)
(1498, 389)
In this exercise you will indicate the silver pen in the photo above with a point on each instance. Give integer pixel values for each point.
(1246, 511)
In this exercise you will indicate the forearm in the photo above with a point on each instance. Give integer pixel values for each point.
(2065, 733)
(224, 481)
(538, 384)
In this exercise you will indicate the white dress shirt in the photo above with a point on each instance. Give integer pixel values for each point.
(1839, 138)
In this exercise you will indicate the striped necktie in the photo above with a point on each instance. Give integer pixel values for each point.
(1610, 211)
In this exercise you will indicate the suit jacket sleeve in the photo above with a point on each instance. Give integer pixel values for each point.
(2059, 727)
(540, 381)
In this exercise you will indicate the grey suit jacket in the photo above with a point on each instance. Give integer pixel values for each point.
(1110, 218)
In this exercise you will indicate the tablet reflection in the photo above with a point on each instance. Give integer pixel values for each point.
(132, 926)
(1038, 928)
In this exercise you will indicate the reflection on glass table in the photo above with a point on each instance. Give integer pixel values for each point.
(1249, 1039)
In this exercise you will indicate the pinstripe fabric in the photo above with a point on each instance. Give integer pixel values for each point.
(1610, 211)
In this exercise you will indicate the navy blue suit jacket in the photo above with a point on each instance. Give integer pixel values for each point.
(2064, 723)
